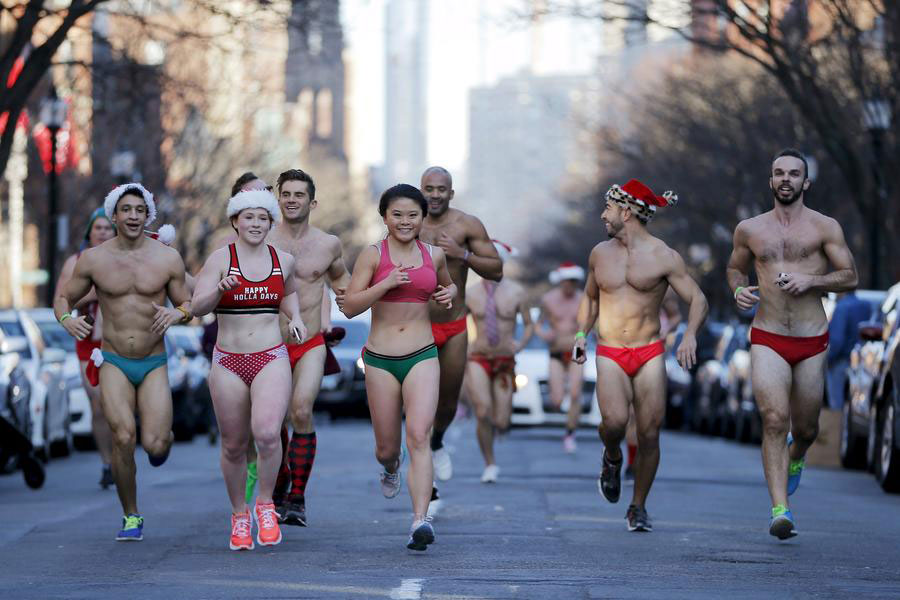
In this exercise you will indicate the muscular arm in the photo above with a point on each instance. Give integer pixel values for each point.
(738, 269)
(528, 329)
(589, 307)
(688, 290)
(207, 292)
(844, 277)
(540, 329)
(338, 275)
(360, 297)
(483, 259)
(78, 285)
(177, 288)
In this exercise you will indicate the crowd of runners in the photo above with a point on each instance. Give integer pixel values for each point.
(268, 287)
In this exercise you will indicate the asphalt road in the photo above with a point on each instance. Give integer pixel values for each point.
(542, 531)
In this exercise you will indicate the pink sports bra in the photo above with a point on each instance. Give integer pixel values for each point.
(422, 280)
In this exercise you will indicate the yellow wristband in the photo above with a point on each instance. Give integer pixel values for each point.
(187, 316)
(580, 334)
(64, 317)
(737, 291)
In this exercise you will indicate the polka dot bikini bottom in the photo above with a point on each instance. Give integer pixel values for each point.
(247, 366)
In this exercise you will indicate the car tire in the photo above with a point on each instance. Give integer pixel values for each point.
(888, 465)
(873, 439)
(852, 447)
(60, 448)
(32, 471)
(84, 443)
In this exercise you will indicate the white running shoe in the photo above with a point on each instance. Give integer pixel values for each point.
(490, 474)
(392, 482)
(569, 445)
(435, 504)
(443, 468)
(421, 534)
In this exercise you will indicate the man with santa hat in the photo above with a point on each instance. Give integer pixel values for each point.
(628, 277)
(559, 310)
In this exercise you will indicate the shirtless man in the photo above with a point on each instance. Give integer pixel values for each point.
(559, 308)
(627, 280)
(491, 371)
(317, 256)
(132, 275)
(464, 240)
(790, 247)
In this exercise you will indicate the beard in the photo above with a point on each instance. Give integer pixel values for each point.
(789, 200)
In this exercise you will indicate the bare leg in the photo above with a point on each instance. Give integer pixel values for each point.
(575, 376)
(807, 393)
(307, 380)
(503, 394)
(118, 398)
(556, 381)
(231, 401)
(386, 409)
(154, 403)
(420, 399)
(478, 388)
(269, 397)
(453, 359)
(771, 379)
(614, 398)
(99, 426)
(649, 409)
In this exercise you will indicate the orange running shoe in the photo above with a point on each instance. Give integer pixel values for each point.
(241, 532)
(268, 533)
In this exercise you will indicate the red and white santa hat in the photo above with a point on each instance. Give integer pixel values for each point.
(640, 199)
(112, 199)
(254, 199)
(505, 251)
(567, 270)
(165, 234)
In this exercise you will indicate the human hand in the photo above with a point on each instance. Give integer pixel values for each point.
(794, 284)
(297, 329)
(579, 355)
(165, 318)
(340, 294)
(746, 298)
(450, 247)
(78, 327)
(397, 277)
(687, 351)
(443, 296)
(228, 283)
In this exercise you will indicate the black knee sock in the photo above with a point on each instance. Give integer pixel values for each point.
(569, 431)
(437, 440)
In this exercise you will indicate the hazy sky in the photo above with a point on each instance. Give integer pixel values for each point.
(471, 43)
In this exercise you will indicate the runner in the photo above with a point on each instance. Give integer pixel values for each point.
(790, 248)
(99, 229)
(628, 277)
(317, 256)
(466, 245)
(132, 276)
(559, 308)
(491, 372)
(247, 284)
(397, 278)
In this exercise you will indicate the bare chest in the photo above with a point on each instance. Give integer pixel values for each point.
(121, 276)
(432, 235)
(560, 308)
(505, 303)
(786, 247)
(311, 259)
(622, 270)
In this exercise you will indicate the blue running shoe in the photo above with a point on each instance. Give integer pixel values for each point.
(158, 461)
(782, 523)
(132, 529)
(795, 470)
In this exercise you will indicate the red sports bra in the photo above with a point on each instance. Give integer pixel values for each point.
(252, 297)
(422, 280)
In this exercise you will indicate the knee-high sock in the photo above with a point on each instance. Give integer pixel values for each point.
(283, 482)
(301, 455)
(632, 453)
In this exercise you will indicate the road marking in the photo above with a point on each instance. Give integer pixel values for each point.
(587, 519)
(410, 589)
(344, 590)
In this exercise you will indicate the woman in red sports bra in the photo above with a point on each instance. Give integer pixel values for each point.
(99, 229)
(247, 283)
(396, 278)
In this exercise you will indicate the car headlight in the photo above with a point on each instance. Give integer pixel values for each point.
(521, 380)
(361, 364)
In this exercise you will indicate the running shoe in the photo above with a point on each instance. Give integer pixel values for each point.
(293, 512)
(252, 477)
(435, 504)
(490, 474)
(610, 482)
(132, 529)
(420, 534)
(636, 519)
(158, 461)
(782, 523)
(569, 445)
(392, 482)
(443, 468)
(267, 533)
(241, 531)
(106, 478)
(795, 470)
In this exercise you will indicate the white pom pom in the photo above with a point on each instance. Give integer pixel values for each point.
(97, 357)
(166, 234)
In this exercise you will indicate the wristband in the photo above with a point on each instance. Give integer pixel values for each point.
(580, 334)
(64, 317)
(466, 256)
(187, 316)
(737, 291)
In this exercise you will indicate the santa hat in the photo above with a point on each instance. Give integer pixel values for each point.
(505, 251)
(254, 199)
(165, 234)
(640, 199)
(112, 198)
(567, 270)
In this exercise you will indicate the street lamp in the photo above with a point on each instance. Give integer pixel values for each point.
(53, 116)
(876, 120)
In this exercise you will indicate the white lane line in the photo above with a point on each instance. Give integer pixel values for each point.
(409, 589)
(343, 590)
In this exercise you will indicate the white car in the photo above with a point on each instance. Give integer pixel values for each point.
(531, 401)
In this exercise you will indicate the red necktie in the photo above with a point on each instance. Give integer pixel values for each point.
(490, 315)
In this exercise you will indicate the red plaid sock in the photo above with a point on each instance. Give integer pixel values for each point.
(301, 455)
(632, 453)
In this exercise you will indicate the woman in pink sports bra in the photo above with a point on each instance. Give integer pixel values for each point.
(247, 283)
(397, 278)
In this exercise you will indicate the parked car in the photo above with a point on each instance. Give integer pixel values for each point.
(858, 415)
(188, 370)
(16, 450)
(344, 393)
(706, 383)
(531, 401)
(49, 403)
(679, 383)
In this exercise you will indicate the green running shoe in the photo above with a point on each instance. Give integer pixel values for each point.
(782, 523)
(252, 478)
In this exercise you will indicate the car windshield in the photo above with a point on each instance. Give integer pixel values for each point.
(357, 333)
(56, 336)
(15, 329)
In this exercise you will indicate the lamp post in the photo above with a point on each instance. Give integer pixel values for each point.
(876, 120)
(53, 116)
